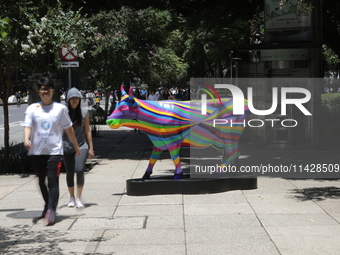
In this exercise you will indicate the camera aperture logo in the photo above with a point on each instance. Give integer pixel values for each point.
(239, 108)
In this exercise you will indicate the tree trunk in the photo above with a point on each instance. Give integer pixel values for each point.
(107, 98)
(6, 81)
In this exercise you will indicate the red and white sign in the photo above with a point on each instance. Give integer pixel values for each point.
(68, 54)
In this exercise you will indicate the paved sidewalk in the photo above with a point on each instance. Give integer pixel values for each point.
(282, 216)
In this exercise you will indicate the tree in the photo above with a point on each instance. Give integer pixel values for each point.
(213, 28)
(19, 18)
(134, 43)
(332, 62)
(56, 29)
(11, 35)
(153, 51)
(108, 59)
(168, 68)
(5, 75)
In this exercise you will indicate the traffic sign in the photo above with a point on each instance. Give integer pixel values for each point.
(68, 54)
(70, 64)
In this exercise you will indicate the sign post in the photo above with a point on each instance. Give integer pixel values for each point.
(69, 55)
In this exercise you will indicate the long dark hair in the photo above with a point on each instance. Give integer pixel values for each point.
(75, 114)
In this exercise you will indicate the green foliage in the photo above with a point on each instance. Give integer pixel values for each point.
(330, 107)
(4, 28)
(56, 29)
(332, 61)
(17, 162)
(97, 118)
(305, 6)
(16, 16)
(133, 42)
(9, 54)
(108, 59)
(157, 44)
(168, 67)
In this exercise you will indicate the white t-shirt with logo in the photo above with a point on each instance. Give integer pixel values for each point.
(48, 123)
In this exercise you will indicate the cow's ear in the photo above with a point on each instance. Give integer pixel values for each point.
(122, 90)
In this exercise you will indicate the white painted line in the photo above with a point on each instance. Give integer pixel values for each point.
(14, 124)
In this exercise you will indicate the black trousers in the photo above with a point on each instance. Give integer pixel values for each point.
(49, 166)
(75, 164)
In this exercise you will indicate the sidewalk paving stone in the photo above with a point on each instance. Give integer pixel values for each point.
(280, 217)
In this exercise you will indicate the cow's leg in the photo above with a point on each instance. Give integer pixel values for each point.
(156, 152)
(174, 152)
(231, 153)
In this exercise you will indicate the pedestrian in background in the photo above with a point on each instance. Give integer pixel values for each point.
(76, 165)
(18, 97)
(152, 96)
(44, 124)
(112, 102)
(166, 95)
(90, 96)
(158, 95)
(143, 94)
(97, 100)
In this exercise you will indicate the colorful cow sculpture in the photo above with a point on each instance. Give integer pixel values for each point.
(174, 124)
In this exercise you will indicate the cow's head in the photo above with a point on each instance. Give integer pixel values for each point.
(126, 111)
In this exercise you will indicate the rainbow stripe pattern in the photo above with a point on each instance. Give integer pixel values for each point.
(171, 125)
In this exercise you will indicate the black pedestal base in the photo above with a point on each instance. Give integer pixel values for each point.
(166, 185)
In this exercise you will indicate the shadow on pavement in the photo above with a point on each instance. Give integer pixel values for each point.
(317, 194)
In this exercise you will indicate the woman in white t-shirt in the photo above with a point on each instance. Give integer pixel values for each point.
(43, 138)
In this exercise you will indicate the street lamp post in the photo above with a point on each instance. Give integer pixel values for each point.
(231, 66)
(236, 66)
